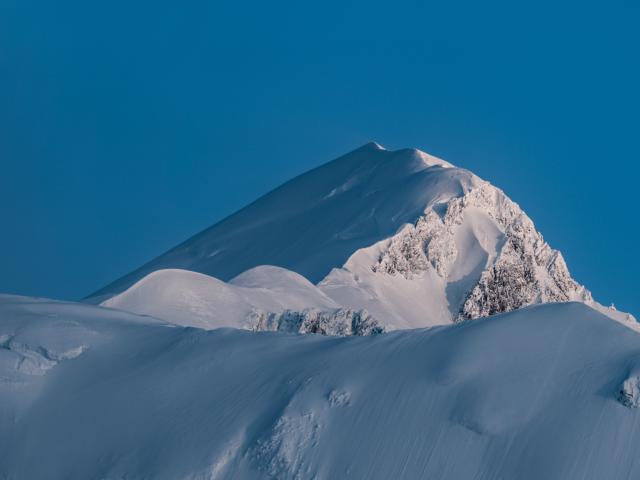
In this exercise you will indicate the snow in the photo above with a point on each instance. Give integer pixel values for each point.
(316, 221)
(193, 299)
(263, 298)
(528, 394)
(481, 239)
(288, 341)
(398, 302)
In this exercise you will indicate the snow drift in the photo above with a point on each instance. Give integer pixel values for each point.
(197, 300)
(263, 298)
(89, 392)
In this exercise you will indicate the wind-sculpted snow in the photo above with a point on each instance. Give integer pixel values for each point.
(316, 221)
(37, 335)
(531, 394)
(261, 299)
(196, 300)
(30, 359)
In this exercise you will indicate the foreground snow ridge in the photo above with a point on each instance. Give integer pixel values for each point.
(541, 392)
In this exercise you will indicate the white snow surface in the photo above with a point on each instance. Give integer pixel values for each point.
(193, 299)
(406, 236)
(541, 392)
(316, 221)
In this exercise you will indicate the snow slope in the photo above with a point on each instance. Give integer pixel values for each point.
(318, 220)
(410, 238)
(263, 298)
(197, 300)
(472, 256)
(542, 392)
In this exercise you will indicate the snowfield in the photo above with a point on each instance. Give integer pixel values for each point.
(545, 392)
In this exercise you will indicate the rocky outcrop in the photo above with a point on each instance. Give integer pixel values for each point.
(339, 322)
(629, 394)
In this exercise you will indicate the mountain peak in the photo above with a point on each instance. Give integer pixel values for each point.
(427, 159)
(411, 153)
(401, 233)
(371, 145)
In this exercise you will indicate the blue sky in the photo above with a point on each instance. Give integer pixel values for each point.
(125, 127)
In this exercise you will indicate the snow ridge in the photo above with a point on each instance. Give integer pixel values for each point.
(547, 392)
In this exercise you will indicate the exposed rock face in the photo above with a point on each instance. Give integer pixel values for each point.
(522, 270)
(629, 394)
(513, 282)
(339, 322)
(428, 245)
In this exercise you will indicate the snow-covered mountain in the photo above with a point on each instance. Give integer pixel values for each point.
(150, 383)
(545, 392)
(406, 237)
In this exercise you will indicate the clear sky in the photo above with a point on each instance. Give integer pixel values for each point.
(127, 126)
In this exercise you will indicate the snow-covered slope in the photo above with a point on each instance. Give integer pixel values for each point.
(316, 221)
(472, 256)
(408, 237)
(197, 300)
(263, 298)
(542, 392)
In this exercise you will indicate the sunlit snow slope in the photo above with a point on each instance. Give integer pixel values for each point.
(317, 220)
(405, 236)
(197, 300)
(88, 392)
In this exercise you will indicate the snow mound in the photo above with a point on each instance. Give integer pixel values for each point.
(193, 299)
(279, 280)
(528, 394)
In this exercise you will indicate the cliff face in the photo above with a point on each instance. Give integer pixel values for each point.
(338, 322)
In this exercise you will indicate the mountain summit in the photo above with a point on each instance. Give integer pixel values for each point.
(405, 235)
(373, 241)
